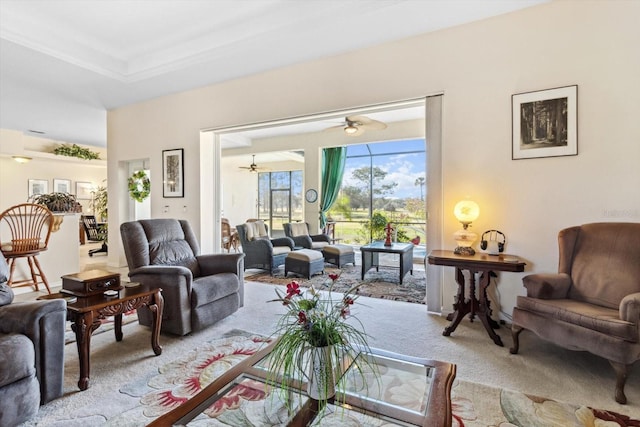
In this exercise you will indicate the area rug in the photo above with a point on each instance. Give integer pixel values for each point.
(105, 325)
(377, 284)
(158, 391)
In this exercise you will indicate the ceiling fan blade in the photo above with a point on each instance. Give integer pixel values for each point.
(367, 122)
(334, 128)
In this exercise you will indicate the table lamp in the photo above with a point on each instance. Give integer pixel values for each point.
(466, 211)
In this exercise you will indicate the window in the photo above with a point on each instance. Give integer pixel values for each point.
(383, 182)
(280, 198)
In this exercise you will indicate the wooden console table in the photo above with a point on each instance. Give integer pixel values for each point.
(478, 263)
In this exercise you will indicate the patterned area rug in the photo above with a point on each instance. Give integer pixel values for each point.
(377, 284)
(474, 405)
(158, 391)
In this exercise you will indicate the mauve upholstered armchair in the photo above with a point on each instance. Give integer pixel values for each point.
(593, 302)
(198, 290)
(32, 353)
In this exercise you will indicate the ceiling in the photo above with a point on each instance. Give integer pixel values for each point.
(64, 63)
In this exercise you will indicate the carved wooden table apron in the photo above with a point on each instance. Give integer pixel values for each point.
(85, 315)
(479, 263)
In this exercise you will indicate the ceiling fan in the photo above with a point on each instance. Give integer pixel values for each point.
(253, 167)
(357, 125)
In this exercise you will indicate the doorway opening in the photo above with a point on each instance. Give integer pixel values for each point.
(310, 135)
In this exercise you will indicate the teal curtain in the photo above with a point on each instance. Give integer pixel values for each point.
(333, 161)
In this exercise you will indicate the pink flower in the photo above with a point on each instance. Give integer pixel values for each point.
(348, 300)
(344, 312)
(333, 276)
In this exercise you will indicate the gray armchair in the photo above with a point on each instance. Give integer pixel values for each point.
(299, 232)
(32, 353)
(261, 251)
(198, 290)
(593, 302)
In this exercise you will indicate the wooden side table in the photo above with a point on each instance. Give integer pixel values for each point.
(479, 263)
(85, 314)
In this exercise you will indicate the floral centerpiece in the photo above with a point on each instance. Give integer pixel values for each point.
(314, 336)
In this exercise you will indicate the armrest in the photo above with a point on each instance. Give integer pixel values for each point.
(321, 238)
(220, 263)
(283, 241)
(304, 241)
(24, 317)
(630, 308)
(547, 286)
(161, 270)
(162, 276)
(44, 323)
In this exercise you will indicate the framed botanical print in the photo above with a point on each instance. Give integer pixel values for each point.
(83, 190)
(545, 123)
(61, 186)
(173, 173)
(37, 187)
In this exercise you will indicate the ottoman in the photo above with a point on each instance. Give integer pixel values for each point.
(339, 255)
(305, 262)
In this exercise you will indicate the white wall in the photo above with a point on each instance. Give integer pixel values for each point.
(14, 176)
(478, 66)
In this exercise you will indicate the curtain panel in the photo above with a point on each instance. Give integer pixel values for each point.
(333, 161)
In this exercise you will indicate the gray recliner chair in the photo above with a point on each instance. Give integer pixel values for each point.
(32, 353)
(593, 302)
(198, 290)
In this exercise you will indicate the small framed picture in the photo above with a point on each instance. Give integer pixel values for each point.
(61, 185)
(84, 190)
(173, 173)
(545, 123)
(38, 186)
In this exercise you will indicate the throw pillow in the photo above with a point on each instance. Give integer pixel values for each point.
(299, 229)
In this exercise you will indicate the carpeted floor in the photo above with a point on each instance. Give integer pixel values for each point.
(153, 392)
(383, 283)
(105, 326)
(540, 369)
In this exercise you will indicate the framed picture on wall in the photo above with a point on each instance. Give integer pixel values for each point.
(83, 190)
(38, 186)
(173, 173)
(61, 185)
(545, 123)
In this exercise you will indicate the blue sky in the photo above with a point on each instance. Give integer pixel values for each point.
(403, 167)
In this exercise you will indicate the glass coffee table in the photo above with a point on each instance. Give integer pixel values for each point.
(403, 391)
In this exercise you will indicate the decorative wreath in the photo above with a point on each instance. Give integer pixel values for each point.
(139, 186)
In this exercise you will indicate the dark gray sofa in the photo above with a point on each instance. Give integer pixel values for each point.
(32, 353)
(198, 290)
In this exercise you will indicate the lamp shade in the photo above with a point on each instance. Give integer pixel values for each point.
(466, 211)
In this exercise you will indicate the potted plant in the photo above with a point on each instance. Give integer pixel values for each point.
(314, 336)
(58, 203)
(99, 203)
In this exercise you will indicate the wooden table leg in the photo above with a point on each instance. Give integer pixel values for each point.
(117, 326)
(484, 311)
(156, 307)
(84, 325)
(461, 306)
